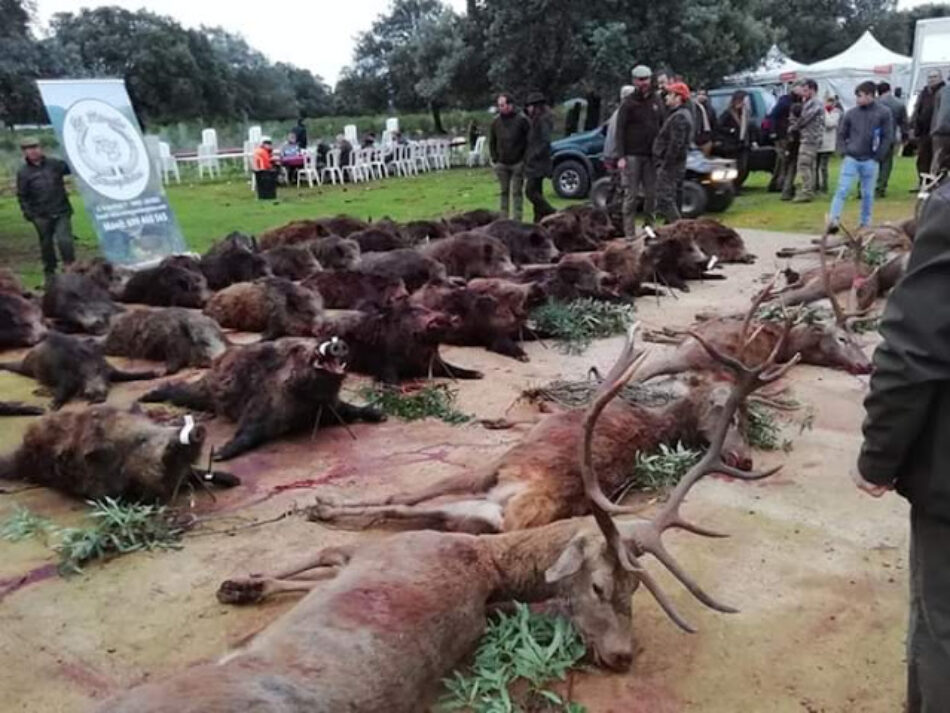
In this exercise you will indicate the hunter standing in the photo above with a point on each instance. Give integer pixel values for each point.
(44, 202)
(899, 112)
(507, 144)
(670, 149)
(921, 122)
(906, 446)
(537, 161)
(638, 122)
(810, 125)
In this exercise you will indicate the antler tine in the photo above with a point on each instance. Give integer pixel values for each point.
(840, 317)
(664, 601)
(756, 303)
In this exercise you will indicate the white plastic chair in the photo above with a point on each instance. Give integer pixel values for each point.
(249, 147)
(309, 170)
(364, 164)
(417, 152)
(445, 149)
(476, 154)
(207, 161)
(209, 137)
(168, 162)
(406, 165)
(332, 169)
(378, 162)
(254, 135)
(352, 168)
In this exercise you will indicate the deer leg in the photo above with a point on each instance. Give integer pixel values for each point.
(251, 589)
(463, 483)
(463, 514)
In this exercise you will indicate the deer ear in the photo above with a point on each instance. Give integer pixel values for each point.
(568, 563)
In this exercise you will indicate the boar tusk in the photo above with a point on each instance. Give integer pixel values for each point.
(184, 437)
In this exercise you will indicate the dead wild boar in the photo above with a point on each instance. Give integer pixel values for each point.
(376, 239)
(347, 289)
(167, 285)
(297, 231)
(271, 389)
(400, 341)
(528, 244)
(421, 232)
(233, 259)
(574, 277)
(102, 452)
(411, 266)
(342, 225)
(471, 254)
(491, 315)
(469, 220)
(109, 277)
(176, 336)
(274, 306)
(21, 321)
(335, 253)
(292, 262)
(72, 366)
(567, 232)
(76, 303)
(712, 237)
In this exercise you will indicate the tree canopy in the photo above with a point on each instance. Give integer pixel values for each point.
(421, 54)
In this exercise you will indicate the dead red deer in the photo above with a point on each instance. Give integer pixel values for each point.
(537, 481)
(401, 612)
(753, 339)
(887, 236)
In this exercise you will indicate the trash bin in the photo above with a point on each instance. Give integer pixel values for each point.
(266, 182)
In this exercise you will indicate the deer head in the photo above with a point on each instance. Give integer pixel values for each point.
(600, 573)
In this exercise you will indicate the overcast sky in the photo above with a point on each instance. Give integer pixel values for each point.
(307, 35)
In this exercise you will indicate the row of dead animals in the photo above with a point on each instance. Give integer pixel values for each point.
(402, 611)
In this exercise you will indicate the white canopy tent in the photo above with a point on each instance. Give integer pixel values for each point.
(867, 59)
(775, 68)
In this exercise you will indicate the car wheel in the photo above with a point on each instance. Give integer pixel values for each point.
(571, 179)
(720, 200)
(694, 200)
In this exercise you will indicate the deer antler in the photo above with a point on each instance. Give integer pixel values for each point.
(857, 248)
(630, 540)
(766, 293)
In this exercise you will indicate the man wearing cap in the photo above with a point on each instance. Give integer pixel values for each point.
(263, 155)
(638, 122)
(537, 157)
(43, 202)
(670, 149)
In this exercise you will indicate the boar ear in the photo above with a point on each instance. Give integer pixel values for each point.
(569, 562)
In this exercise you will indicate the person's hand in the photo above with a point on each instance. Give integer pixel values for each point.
(622, 164)
(872, 489)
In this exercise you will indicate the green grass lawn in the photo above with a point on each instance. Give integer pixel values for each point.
(207, 211)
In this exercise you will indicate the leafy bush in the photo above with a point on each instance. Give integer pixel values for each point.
(535, 648)
(579, 322)
(24, 524)
(762, 428)
(431, 401)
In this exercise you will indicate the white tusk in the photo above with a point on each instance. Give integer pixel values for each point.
(185, 435)
(712, 262)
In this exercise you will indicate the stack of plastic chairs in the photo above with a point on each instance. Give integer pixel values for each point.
(168, 162)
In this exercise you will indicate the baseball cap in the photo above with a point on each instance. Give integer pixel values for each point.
(28, 141)
(641, 71)
(679, 88)
(266, 140)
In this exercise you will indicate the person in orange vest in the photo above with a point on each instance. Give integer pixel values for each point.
(265, 170)
(263, 155)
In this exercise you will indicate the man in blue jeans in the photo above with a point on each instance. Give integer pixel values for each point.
(865, 135)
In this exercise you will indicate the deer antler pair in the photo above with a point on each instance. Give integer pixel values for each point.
(629, 540)
(857, 246)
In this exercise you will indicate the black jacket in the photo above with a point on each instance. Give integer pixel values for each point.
(924, 110)
(866, 132)
(638, 122)
(537, 158)
(508, 139)
(672, 143)
(40, 189)
(906, 439)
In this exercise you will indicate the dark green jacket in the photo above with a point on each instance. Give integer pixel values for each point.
(508, 139)
(672, 143)
(907, 426)
(40, 189)
(537, 157)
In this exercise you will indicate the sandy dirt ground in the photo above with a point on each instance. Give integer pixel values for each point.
(817, 569)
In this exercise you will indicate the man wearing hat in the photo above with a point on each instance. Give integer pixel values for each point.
(670, 149)
(638, 122)
(43, 202)
(537, 157)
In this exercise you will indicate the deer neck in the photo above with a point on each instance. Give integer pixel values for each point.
(521, 558)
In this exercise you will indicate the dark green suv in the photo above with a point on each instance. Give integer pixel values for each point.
(579, 165)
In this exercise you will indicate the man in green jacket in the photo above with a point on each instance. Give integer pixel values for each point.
(906, 445)
(537, 161)
(43, 202)
(507, 143)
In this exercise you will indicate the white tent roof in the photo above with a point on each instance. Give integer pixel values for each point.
(770, 70)
(865, 54)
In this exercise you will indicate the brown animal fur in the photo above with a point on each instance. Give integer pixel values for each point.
(274, 306)
(292, 262)
(176, 336)
(712, 237)
(346, 289)
(471, 254)
(297, 231)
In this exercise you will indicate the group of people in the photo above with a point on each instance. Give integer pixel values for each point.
(519, 145)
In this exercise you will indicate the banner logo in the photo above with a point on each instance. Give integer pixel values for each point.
(105, 150)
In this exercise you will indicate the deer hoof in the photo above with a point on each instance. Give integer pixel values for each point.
(241, 591)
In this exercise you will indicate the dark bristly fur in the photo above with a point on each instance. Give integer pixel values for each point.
(76, 303)
(176, 336)
(274, 306)
(411, 266)
(346, 289)
(168, 285)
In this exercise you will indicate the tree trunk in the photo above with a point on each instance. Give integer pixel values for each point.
(437, 117)
(592, 120)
